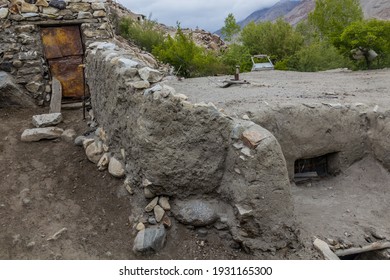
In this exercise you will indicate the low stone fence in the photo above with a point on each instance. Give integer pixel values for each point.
(172, 148)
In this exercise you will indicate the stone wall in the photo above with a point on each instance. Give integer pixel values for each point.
(190, 151)
(21, 52)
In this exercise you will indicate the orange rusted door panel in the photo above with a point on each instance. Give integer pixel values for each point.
(71, 76)
(62, 41)
(64, 51)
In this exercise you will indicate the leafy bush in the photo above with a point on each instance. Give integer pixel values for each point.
(188, 59)
(318, 56)
(144, 34)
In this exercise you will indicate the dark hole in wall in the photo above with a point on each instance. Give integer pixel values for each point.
(316, 167)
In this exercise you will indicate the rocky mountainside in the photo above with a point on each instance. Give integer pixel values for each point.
(295, 11)
(281, 8)
(372, 9)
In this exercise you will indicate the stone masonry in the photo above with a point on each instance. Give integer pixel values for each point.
(21, 50)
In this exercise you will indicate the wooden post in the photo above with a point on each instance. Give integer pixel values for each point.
(56, 96)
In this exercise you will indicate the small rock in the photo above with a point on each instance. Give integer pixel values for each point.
(103, 162)
(245, 117)
(167, 91)
(202, 232)
(195, 213)
(3, 13)
(167, 222)
(150, 75)
(181, 96)
(146, 183)
(164, 203)
(150, 240)
(79, 140)
(246, 151)
(140, 84)
(87, 142)
(46, 120)
(30, 244)
(158, 213)
(152, 220)
(68, 135)
(238, 146)
(252, 138)
(94, 152)
(151, 205)
(99, 14)
(221, 226)
(140, 226)
(84, 15)
(148, 193)
(58, 234)
(129, 189)
(36, 134)
(59, 4)
(115, 168)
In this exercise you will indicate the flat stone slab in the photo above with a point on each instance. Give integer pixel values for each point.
(36, 134)
(195, 212)
(150, 240)
(46, 120)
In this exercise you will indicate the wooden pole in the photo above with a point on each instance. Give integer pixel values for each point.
(372, 247)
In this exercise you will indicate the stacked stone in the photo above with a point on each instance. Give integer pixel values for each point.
(21, 50)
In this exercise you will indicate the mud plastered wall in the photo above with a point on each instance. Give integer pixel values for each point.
(21, 50)
(191, 150)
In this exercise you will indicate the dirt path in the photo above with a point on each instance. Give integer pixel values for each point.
(50, 185)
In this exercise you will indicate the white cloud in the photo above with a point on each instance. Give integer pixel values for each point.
(206, 14)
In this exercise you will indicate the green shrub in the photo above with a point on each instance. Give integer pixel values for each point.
(144, 34)
(318, 56)
(188, 59)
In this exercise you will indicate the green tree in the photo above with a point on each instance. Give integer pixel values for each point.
(330, 17)
(365, 36)
(144, 34)
(279, 39)
(237, 54)
(231, 28)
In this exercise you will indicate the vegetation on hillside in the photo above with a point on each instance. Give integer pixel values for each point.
(334, 36)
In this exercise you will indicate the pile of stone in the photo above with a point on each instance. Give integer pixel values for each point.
(45, 128)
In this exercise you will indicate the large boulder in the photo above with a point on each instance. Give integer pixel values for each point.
(12, 94)
(195, 212)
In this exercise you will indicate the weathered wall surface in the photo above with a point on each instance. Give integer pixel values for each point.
(191, 150)
(307, 131)
(21, 51)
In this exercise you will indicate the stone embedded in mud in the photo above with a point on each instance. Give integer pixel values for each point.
(150, 75)
(252, 137)
(3, 13)
(36, 134)
(164, 203)
(115, 168)
(87, 142)
(150, 240)
(58, 4)
(195, 213)
(140, 226)
(46, 120)
(79, 140)
(148, 193)
(151, 205)
(158, 213)
(28, 8)
(84, 15)
(166, 221)
(94, 152)
(103, 162)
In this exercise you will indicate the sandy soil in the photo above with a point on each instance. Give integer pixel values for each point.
(337, 86)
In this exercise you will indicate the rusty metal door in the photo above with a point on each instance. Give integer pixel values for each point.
(64, 51)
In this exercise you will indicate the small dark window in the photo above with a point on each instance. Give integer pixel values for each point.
(316, 167)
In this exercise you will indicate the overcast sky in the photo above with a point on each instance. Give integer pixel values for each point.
(205, 14)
